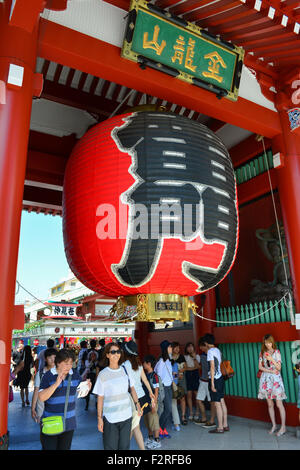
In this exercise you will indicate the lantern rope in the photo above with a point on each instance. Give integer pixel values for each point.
(288, 302)
(241, 321)
(20, 285)
(122, 102)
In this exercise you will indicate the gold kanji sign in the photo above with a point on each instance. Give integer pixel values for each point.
(156, 39)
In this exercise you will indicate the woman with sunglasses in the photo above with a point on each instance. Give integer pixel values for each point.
(114, 405)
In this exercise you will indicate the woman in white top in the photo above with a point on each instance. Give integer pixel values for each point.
(163, 368)
(192, 378)
(114, 404)
(134, 367)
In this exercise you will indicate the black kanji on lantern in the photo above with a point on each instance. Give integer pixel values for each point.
(184, 176)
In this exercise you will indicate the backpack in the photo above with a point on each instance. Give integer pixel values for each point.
(161, 389)
(226, 369)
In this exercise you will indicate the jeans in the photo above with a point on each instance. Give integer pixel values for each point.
(116, 436)
(166, 417)
(62, 441)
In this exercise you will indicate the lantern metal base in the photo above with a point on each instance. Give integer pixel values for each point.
(158, 308)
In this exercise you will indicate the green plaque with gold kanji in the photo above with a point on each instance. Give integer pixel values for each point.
(154, 38)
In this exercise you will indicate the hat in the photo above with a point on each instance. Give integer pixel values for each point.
(131, 348)
(164, 344)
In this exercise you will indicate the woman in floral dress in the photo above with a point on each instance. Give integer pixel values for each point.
(270, 384)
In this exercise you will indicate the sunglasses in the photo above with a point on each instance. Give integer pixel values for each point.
(115, 351)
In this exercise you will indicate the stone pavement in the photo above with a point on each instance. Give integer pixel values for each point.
(244, 434)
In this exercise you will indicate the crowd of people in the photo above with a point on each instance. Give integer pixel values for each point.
(169, 391)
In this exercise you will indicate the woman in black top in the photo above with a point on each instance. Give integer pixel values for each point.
(24, 375)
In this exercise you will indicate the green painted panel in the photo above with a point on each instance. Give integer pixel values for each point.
(244, 359)
(271, 312)
(251, 314)
(267, 314)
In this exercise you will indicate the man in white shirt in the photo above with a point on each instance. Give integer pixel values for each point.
(216, 383)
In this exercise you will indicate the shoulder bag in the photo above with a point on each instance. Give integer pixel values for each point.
(178, 391)
(135, 417)
(54, 425)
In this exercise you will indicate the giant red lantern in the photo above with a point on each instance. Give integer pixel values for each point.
(150, 207)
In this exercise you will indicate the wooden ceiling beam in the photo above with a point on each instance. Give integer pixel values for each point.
(187, 6)
(210, 10)
(251, 20)
(237, 15)
(73, 49)
(95, 104)
(271, 26)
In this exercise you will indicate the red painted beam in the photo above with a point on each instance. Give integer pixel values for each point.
(256, 187)
(123, 4)
(282, 331)
(24, 16)
(247, 149)
(238, 15)
(19, 317)
(268, 45)
(79, 99)
(45, 168)
(252, 408)
(41, 195)
(215, 124)
(51, 144)
(260, 66)
(271, 26)
(284, 54)
(187, 6)
(56, 4)
(210, 10)
(262, 38)
(251, 20)
(74, 49)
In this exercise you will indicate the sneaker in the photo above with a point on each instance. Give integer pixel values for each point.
(209, 425)
(191, 417)
(176, 427)
(156, 445)
(166, 434)
(148, 441)
(199, 421)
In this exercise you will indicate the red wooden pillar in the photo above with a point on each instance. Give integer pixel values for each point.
(289, 189)
(17, 47)
(208, 302)
(141, 334)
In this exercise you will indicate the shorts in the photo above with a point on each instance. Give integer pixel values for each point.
(192, 380)
(203, 391)
(152, 421)
(219, 386)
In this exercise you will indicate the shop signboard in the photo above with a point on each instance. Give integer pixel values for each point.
(62, 310)
(157, 39)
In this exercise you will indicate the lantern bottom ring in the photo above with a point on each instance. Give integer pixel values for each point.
(159, 308)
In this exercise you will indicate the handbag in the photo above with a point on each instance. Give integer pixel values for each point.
(178, 391)
(54, 425)
(135, 417)
(226, 369)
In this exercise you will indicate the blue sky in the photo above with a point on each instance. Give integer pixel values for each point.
(42, 261)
